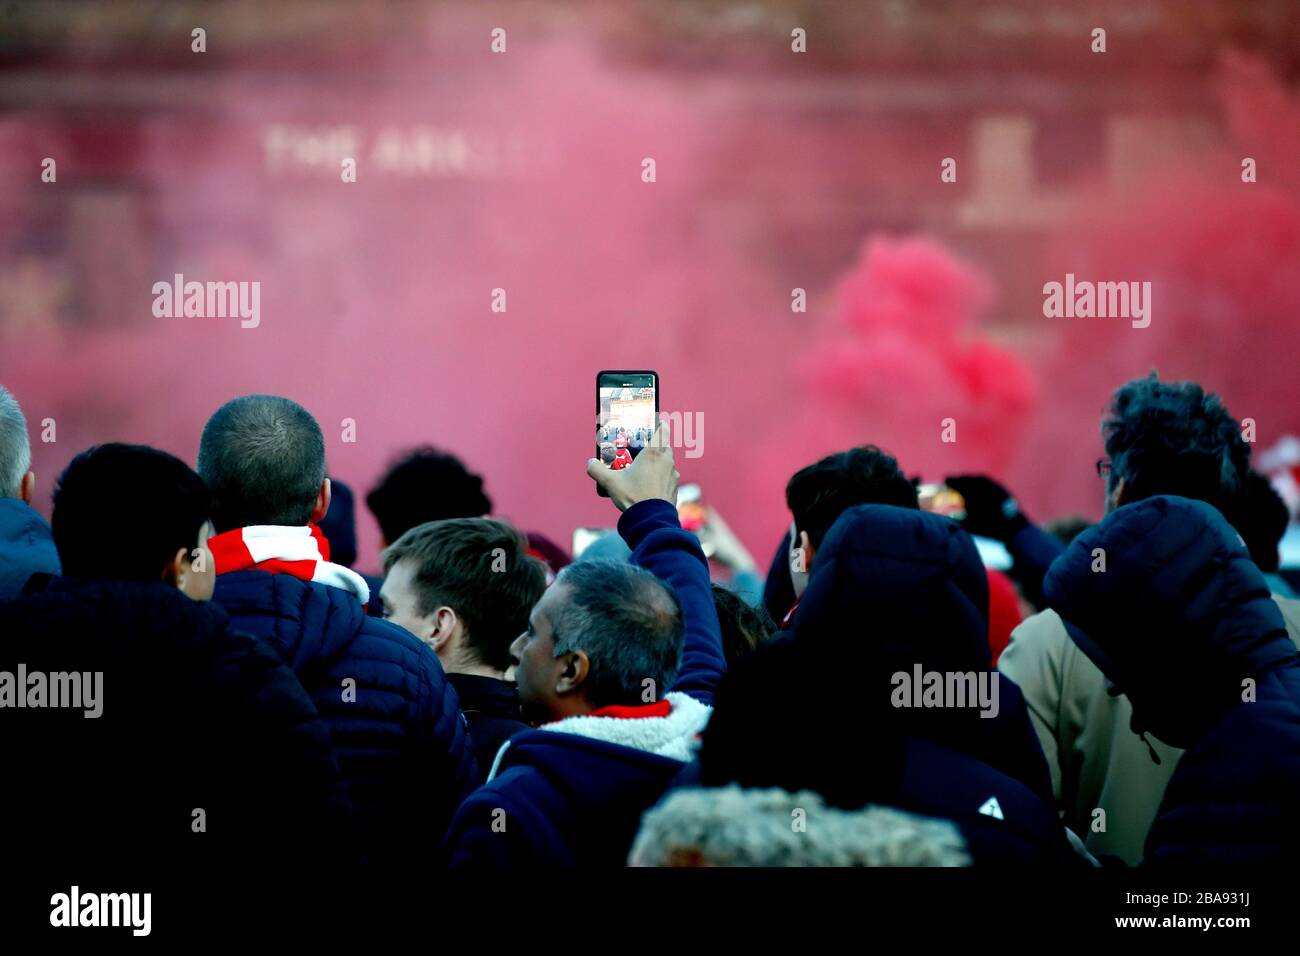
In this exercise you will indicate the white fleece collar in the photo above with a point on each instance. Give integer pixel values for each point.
(674, 736)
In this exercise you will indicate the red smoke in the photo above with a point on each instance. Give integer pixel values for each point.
(904, 357)
(1223, 257)
(375, 294)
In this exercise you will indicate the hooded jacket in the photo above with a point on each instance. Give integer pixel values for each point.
(1182, 622)
(26, 547)
(571, 793)
(206, 754)
(393, 716)
(891, 589)
(1096, 760)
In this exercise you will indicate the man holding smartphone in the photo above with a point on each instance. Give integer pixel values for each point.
(602, 646)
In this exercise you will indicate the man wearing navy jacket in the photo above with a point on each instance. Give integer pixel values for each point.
(601, 646)
(394, 718)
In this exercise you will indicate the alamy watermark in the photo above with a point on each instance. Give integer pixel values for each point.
(210, 300)
(685, 431)
(76, 690)
(1102, 300)
(76, 908)
(922, 688)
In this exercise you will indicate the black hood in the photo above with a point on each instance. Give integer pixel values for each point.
(898, 587)
(1178, 619)
(891, 588)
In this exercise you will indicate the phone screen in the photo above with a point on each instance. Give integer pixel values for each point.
(627, 410)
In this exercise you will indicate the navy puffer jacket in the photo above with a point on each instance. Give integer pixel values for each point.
(400, 739)
(1181, 620)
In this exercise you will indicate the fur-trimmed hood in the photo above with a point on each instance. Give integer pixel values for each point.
(574, 790)
(730, 826)
(675, 736)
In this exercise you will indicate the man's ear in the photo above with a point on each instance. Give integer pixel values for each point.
(322, 505)
(445, 625)
(175, 570)
(27, 487)
(574, 673)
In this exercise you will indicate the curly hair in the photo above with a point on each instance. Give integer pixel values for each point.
(1175, 438)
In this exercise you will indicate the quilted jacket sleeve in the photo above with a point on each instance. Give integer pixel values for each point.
(661, 546)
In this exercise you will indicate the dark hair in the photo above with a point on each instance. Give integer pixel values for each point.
(1262, 518)
(480, 569)
(121, 512)
(425, 484)
(263, 456)
(1174, 438)
(820, 493)
(629, 624)
(744, 627)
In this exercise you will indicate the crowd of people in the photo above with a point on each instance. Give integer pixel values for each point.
(618, 446)
(489, 701)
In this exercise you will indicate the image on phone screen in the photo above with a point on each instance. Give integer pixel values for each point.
(627, 409)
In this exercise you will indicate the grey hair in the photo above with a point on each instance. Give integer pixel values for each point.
(15, 447)
(263, 457)
(629, 624)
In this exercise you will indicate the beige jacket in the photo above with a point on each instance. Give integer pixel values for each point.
(1097, 762)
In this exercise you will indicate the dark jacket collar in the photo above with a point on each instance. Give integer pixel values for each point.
(486, 695)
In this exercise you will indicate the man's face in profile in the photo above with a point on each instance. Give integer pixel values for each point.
(538, 671)
(401, 601)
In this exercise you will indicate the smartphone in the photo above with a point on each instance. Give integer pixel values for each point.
(627, 411)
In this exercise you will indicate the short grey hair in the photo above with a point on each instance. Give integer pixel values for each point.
(629, 624)
(15, 447)
(263, 457)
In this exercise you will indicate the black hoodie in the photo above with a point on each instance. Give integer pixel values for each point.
(1182, 621)
(890, 589)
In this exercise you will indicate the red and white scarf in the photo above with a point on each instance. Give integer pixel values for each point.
(302, 552)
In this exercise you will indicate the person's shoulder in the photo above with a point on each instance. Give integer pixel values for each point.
(386, 640)
(1039, 634)
(1290, 608)
(252, 590)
